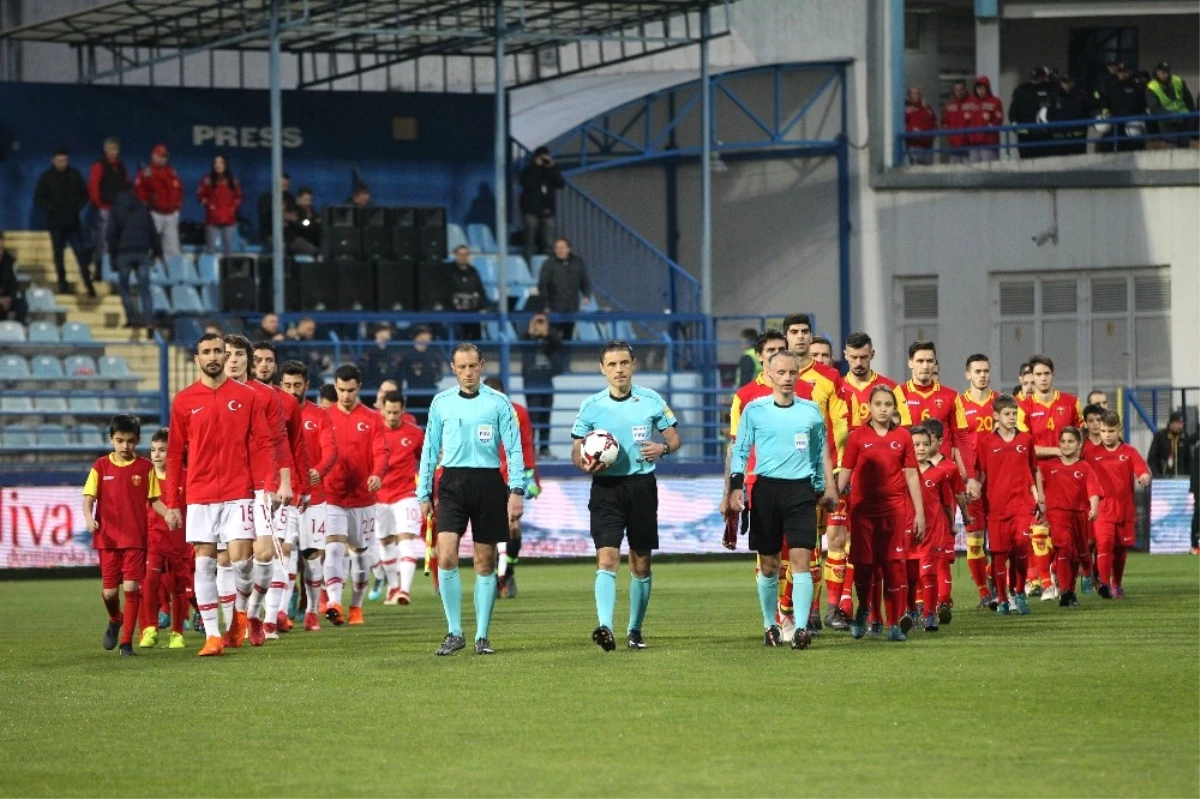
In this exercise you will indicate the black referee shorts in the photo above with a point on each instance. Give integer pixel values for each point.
(782, 510)
(625, 505)
(478, 496)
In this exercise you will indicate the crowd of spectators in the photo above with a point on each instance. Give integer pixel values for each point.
(1049, 96)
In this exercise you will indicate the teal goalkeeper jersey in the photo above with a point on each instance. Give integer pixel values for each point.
(631, 420)
(468, 430)
(788, 441)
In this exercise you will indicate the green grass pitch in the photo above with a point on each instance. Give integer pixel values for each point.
(1102, 701)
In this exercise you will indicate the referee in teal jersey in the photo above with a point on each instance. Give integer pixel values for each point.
(792, 467)
(624, 497)
(466, 426)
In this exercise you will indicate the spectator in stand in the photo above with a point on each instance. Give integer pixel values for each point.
(540, 182)
(105, 181)
(539, 365)
(385, 387)
(380, 361)
(984, 110)
(1070, 103)
(1170, 452)
(61, 194)
(919, 117)
(1111, 69)
(268, 329)
(134, 243)
(564, 279)
(1168, 94)
(1030, 106)
(421, 371)
(1097, 397)
(467, 294)
(265, 207)
(221, 196)
(360, 197)
(159, 187)
(12, 299)
(306, 348)
(1122, 97)
(304, 232)
(954, 118)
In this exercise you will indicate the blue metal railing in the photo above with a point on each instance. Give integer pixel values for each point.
(1178, 129)
(1144, 410)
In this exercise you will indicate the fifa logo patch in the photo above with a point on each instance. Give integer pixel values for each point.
(485, 433)
(641, 433)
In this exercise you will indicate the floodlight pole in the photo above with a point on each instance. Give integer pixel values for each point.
(705, 169)
(276, 101)
(501, 177)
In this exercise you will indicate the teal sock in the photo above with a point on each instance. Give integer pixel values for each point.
(606, 596)
(450, 587)
(802, 593)
(768, 597)
(485, 598)
(639, 598)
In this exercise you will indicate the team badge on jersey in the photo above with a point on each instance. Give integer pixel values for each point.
(137, 480)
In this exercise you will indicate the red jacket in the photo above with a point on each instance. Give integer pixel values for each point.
(362, 452)
(322, 449)
(160, 189)
(268, 464)
(220, 200)
(293, 423)
(217, 429)
(105, 181)
(918, 117)
(404, 457)
(988, 111)
(954, 118)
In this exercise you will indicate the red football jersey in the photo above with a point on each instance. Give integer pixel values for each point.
(1008, 468)
(1067, 486)
(1089, 447)
(218, 430)
(122, 491)
(266, 473)
(293, 424)
(1045, 421)
(937, 496)
(858, 398)
(320, 444)
(1117, 469)
(878, 486)
(918, 403)
(525, 426)
(957, 484)
(362, 452)
(971, 420)
(404, 457)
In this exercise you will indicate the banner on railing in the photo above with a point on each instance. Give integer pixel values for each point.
(44, 528)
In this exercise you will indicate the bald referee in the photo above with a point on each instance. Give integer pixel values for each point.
(792, 469)
(466, 426)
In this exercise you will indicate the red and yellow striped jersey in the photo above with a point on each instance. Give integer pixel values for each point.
(827, 392)
(1045, 420)
(858, 397)
(916, 403)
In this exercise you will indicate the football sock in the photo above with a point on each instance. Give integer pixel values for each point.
(408, 563)
(513, 553)
(335, 573)
(150, 606)
(1042, 559)
(876, 604)
(226, 585)
(179, 611)
(803, 590)
(945, 582)
(785, 584)
(360, 570)
(501, 559)
(260, 585)
(1018, 572)
(896, 587)
(835, 577)
(207, 601)
(1118, 567)
(929, 585)
(375, 559)
(112, 606)
(1000, 575)
(314, 579)
(847, 599)
(279, 581)
(243, 571)
(977, 563)
(912, 576)
(863, 579)
(291, 568)
(451, 591)
(768, 595)
(485, 599)
(1062, 568)
(133, 604)
(639, 599)
(391, 565)
(606, 597)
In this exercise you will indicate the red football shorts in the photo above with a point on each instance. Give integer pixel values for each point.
(179, 569)
(117, 565)
(875, 540)
(1114, 532)
(1008, 534)
(1068, 528)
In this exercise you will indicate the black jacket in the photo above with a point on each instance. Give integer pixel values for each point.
(1027, 100)
(265, 203)
(1170, 458)
(1067, 106)
(539, 189)
(562, 282)
(131, 228)
(1124, 98)
(539, 363)
(465, 287)
(8, 275)
(61, 195)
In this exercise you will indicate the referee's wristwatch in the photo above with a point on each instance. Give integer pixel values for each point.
(517, 492)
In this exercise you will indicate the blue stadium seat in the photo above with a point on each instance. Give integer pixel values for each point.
(46, 367)
(41, 300)
(587, 331)
(481, 238)
(209, 268)
(76, 333)
(13, 367)
(92, 435)
(11, 332)
(43, 332)
(107, 273)
(158, 275)
(50, 404)
(114, 366)
(188, 330)
(18, 436)
(518, 271)
(159, 301)
(535, 266)
(182, 269)
(186, 300)
(148, 431)
(79, 366)
(455, 237)
(84, 404)
(488, 268)
(15, 403)
(53, 435)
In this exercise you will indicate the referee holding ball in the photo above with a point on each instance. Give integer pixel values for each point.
(624, 497)
(466, 426)
(792, 468)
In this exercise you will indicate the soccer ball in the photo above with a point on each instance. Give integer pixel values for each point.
(600, 445)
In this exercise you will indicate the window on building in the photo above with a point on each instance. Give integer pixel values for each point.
(1091, 48)
(917, 298)
(1103, 328)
